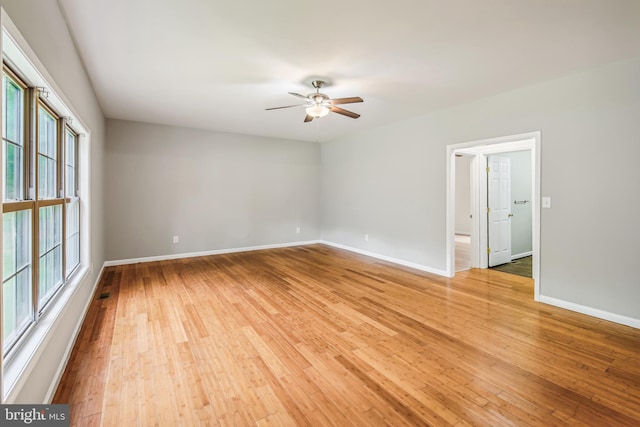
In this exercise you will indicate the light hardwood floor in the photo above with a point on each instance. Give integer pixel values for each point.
(316, 336)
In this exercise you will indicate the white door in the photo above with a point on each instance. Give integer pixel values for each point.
(499, 213)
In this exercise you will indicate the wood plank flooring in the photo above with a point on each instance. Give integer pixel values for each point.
(316, 336)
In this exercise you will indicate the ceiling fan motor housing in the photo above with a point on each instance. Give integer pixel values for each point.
(319, 98)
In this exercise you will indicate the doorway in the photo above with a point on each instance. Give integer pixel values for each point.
(510, 215)
(463, 212)
(479, 152)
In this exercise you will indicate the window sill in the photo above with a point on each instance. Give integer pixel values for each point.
(22, 359)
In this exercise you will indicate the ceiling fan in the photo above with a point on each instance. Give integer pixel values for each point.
(319, 105)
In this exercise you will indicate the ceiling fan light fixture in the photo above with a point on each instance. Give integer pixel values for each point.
(317, 110)
(319, 105)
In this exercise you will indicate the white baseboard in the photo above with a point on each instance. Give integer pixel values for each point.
(589, 311)
(387, 258)
(275, 246)
(207, 253)
(522, 255)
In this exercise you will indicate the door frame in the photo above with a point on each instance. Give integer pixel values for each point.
(480, 149)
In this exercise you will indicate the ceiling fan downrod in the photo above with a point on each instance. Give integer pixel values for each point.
(317, 84)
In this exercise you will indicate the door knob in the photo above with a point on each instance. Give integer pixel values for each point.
(510, 215)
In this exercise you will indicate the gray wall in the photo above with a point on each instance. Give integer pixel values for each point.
(213, 190)
(521, 222)
(463, 195)
(47, 34)
(391, 182)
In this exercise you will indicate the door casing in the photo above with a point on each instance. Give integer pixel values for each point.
(480, 150)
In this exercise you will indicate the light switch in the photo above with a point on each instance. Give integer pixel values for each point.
(546, 202)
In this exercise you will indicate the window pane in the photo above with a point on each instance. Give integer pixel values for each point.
(71, 149)
(46, 133)
(46, 177)
(16, 241)
(73, 236)
(16, 284)
(9, 245)
(12, 132)
(70, 180)
(13, 171)
(70, 170)
(50, 265)
(13, 110)
(47, 154)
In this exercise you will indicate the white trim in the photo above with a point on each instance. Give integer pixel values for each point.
(475, 186)
(479, 212)
(387, 258)
(589, 311)
(525, 141)
(522, 255)
(207, 253)
(518, 142)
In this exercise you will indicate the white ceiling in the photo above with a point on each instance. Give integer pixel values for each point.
(217, 64)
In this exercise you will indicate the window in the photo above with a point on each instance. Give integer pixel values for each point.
(41, 207)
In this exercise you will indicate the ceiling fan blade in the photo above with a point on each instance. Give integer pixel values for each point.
(345, 100)
(308, 118)
(344, 112)
(286, 106)
(299, 96)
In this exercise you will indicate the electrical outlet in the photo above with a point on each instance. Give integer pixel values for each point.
(366, 237)
(175, 239)
(297, 230)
